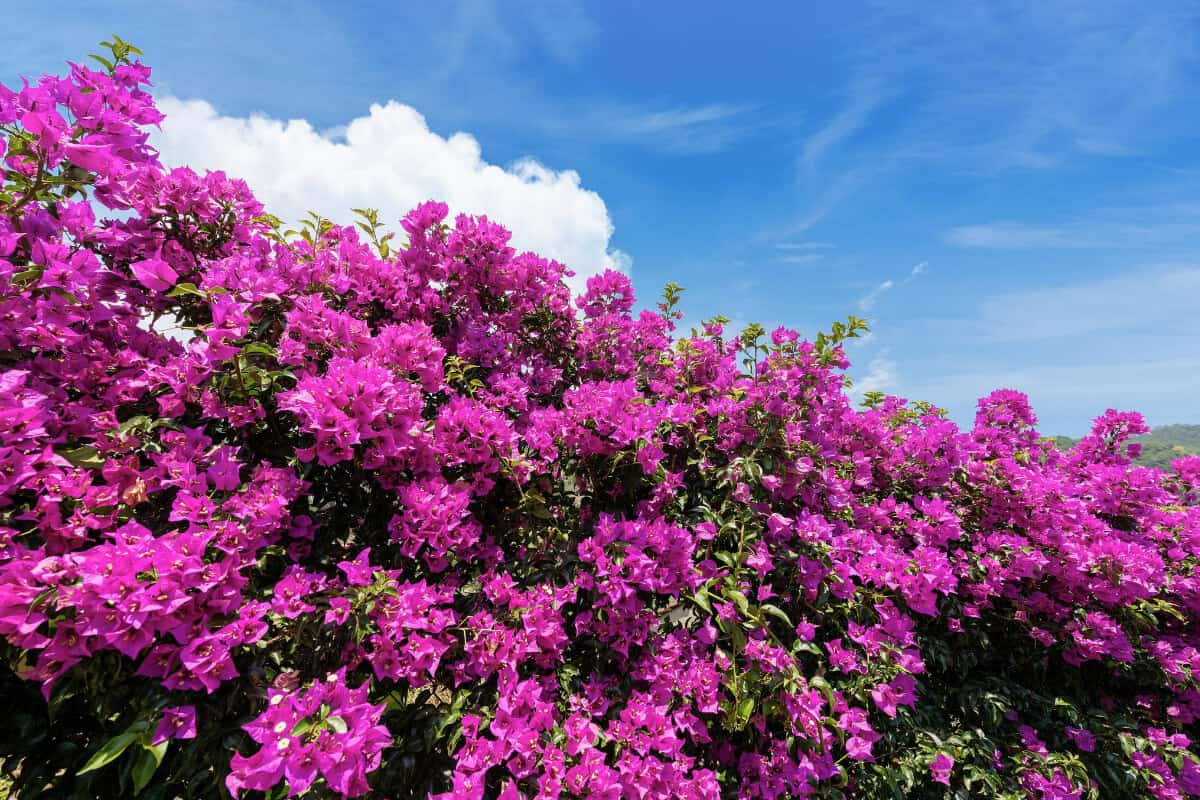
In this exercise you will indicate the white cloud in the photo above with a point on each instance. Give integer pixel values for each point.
(868, 301)
(882, 376)
(672, 119)
(805, 246)
(391, 160)
(841, 127)
(1009, 236)
(1130, 227)
(800, 258)
(1125, 340)
(842, 187)
(1102, 80)
(1158, 300)
(683, 130)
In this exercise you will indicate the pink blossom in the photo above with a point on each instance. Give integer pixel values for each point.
(154, 273)
(941, 767)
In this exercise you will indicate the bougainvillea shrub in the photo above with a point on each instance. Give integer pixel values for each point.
(339, 513)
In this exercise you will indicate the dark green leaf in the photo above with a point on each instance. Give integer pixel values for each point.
(109, 752)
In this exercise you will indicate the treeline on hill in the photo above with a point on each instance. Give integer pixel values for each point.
(1159, 447)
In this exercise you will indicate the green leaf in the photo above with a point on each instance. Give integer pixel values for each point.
(147, 763)
(26, 276)
(138, 423)
(86, 456)
(102, 60)
(258, 349)
(159, 750)
(181, 289)
(726, 558)
(337, 724)
(745, 708)
(109, 752)
(777, 612)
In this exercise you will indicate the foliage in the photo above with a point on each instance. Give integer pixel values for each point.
(319, 513)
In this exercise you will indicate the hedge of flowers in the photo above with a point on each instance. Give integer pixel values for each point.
(332, 513)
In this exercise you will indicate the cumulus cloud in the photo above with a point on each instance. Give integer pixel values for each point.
(390, 160)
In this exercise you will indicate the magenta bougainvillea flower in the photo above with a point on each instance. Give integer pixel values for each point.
(177, 723)
(329, 513)
(941, 767)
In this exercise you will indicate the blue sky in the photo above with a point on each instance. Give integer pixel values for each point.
(1009, 191)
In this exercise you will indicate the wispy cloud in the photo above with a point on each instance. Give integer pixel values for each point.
(818, 146)
(804, 246)
(683, 129)
(1003, 235)
(842, 187)
(1115, 68)
(1033, 85)
(882, 375)
(1066, 393)
(1077, 347)
(1133, 227)
(1142, 300)
(801, 252)
(478, 29)
(674, 119)
(564, 27)
(475, 27)
(868, 301)
(800, 258)
(845, 124)
(882, 370)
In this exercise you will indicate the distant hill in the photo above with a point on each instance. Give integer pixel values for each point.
(1160, 447)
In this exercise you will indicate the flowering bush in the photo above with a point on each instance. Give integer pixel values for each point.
(315, 513)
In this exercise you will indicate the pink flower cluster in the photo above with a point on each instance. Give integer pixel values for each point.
(561, 548)
(327, 729)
